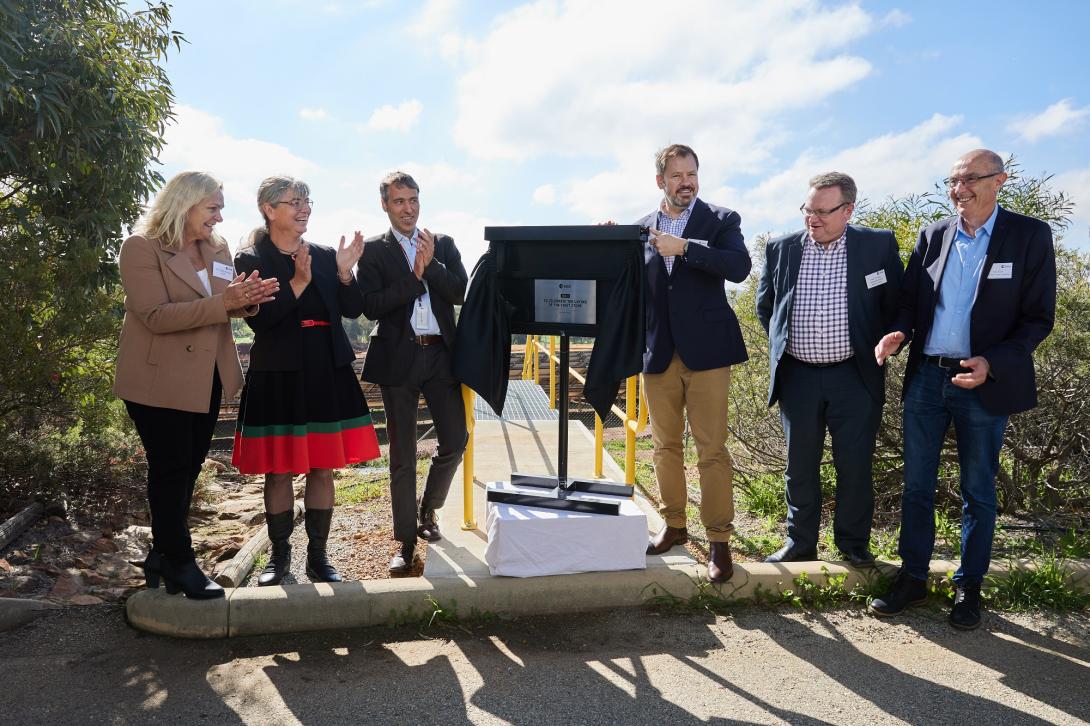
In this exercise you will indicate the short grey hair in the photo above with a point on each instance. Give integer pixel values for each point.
(268, 192)
(671, 152)
(398, 178)
(836, 179)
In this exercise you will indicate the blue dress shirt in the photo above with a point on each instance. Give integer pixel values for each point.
(949, 334)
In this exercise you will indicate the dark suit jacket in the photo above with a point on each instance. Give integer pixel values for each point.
(278, 339)
(687, 311)
(870, 311)
(1010, 317)
(390, 290)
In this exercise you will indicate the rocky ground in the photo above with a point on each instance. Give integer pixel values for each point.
(89, 558)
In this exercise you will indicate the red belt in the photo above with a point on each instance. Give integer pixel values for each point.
(314, 323)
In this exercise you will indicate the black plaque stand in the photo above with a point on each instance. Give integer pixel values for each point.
(561, 486)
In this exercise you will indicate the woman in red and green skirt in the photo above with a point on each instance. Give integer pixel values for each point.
(302, 410)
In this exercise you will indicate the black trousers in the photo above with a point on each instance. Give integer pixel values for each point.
(834, 399)
(431, 375)
(176, 444)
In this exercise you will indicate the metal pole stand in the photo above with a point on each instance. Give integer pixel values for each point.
(561, 486)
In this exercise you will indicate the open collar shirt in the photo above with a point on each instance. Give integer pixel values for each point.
(949, 334)
(675, 227)
(819, 331)
(431, 327)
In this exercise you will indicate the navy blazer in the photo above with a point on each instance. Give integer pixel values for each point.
(870, 309)
(278, 339)
(687, 310)
(390, 290)
(1010, 315)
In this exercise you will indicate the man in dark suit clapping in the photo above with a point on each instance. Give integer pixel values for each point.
(411, 281)
(693, 339)
(826, 296)
(979, 296)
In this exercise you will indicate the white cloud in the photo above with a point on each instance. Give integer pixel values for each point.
(545, 195)
(400, 118)
(896, 18)
(434, 18)
(1059, 118)
(313, 114)
(438, 175)
(578, 79)
(197, 140)
(891, 165)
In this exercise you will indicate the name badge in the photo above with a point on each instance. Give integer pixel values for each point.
(875, 279)
(421, 319)
(1001, 271)
(223, 271)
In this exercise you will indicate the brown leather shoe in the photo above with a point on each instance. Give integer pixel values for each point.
(666, 538)
(720, 566)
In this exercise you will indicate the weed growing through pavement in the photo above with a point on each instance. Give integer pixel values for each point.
(1045, 585)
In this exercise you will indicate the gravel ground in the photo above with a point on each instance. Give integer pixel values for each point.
(361, 543)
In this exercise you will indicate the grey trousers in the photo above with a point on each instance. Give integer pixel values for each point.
(430, 374)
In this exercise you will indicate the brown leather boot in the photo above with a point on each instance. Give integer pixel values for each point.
(666, 538)
(720, 566)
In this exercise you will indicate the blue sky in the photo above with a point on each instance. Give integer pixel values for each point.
(551, 112)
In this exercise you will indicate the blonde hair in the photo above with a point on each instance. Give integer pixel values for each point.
(268, 192)
(165, 220)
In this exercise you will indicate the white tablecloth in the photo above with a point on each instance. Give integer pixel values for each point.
(529, 541)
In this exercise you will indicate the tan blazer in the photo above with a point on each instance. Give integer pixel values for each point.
(175, 334)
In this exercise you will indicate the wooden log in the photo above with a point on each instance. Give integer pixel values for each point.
(15, 526)
(241, 564)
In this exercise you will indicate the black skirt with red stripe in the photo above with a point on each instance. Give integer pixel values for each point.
(295, 421)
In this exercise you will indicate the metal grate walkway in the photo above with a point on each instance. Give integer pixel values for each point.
(526, 401)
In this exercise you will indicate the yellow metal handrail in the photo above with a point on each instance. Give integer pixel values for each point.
(634, 417)
(468, 520)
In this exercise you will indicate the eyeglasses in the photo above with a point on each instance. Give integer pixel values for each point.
(296, 203)
(807, 212)
(967, 180)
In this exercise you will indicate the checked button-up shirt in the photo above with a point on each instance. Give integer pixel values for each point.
(819, 317)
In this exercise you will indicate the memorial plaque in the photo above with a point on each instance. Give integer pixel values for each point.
(565, 301)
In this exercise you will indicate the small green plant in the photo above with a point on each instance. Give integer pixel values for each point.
(706, 598)
(948, 530)
(1047, 585)
(352, 488)
(884, 543)
(809, 594)
(763, 496)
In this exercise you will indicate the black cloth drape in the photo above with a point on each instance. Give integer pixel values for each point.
(482, 345)
(482, 351)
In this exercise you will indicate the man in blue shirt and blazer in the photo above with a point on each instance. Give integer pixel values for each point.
(693, 339)
(979, 297)
(826, 296)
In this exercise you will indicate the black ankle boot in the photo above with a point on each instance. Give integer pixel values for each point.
(319, 568)
(188, 578)
(280, 527)
(153, 569)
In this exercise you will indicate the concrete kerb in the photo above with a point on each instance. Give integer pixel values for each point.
(295, 608)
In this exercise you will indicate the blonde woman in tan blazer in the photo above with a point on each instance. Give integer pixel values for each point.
(177, 358)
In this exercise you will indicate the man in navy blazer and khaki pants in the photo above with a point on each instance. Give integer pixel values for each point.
(693, 339)
(979, 297)
(826, 296)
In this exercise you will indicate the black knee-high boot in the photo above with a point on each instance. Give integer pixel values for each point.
(280, 527)
(319, 568)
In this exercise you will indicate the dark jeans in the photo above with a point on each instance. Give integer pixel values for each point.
(931, 403)
(176, 444)
(813, 400)
(430, 375)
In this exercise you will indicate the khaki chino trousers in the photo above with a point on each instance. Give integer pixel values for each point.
(703, 396)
